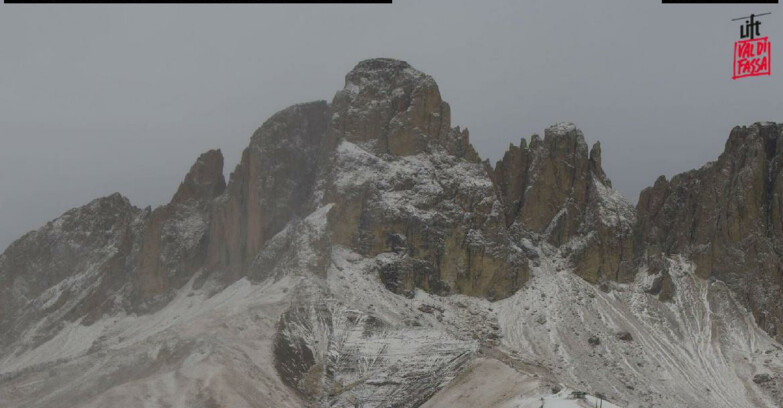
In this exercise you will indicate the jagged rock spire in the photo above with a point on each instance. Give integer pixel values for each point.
(555, 190)
(205, 179)
(396, 109)
(728, 218)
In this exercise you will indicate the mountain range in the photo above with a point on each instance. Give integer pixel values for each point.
(362, 254)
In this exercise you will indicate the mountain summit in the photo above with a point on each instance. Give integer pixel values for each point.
(362, 254)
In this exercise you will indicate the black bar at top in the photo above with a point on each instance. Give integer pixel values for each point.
(197, 2)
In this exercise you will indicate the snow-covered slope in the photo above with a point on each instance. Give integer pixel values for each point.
(490, 383)
(361, 255)
(198, 350)
(375, 347)
(701, 349)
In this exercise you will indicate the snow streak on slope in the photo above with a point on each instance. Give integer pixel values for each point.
(490, 383)
(411, 185)
(352, 342)
(216, 347)
(200, 350)
(700, 350)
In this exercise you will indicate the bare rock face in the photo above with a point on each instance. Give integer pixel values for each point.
(68, 270)
(559, 178)
(173, 246)
(396, 179)
(108, 257)
(405, 182)
(727, 218)
(271, 186)
(311, 273)
(554, 190)
(204, 181)
(389, 107)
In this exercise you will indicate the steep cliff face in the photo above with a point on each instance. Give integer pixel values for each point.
(382, 154)
(726, 217)
(271, 186)
(107, 257)
(71, 269)
(554, 190)
(173, 246)
(404, 182)
(204, 181)
(390, 107)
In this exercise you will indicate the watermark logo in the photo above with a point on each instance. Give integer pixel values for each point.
(751, 52)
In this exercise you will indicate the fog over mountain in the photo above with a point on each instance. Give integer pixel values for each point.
(363, 253)
(99, 99)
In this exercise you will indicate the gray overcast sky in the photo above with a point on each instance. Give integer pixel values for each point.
(98, 99)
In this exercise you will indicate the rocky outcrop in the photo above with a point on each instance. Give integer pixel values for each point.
(70, 269)
(108, 257)
(554, 190)
(290, 272)
(727, 218)
(271, 186)
(389, 107)
(347, 354)
(404, 182)
(381, 171)
(381, 162)
(174, 244)
(204, 181)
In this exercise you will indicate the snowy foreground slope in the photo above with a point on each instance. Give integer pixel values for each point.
(362, 255)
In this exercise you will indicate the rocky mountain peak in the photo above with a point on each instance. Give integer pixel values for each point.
(769, 132)
(383, 73)
(389, 107)
(318, 275)
(563, 129)
(595, 164)
(205, 179)
(77, 252)
(727, 217)
(271, 186)
(397, 184)
(539, 180)
(564, 139)
(555, 190)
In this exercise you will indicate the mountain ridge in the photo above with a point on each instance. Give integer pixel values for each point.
(377, 190)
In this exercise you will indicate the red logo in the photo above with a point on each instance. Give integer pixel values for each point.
(751, 55)
(751, 58)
